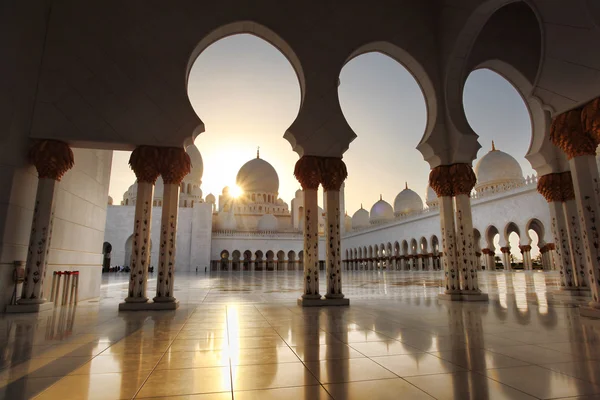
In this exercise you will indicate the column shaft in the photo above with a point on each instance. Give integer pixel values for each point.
(561, 241)
(140, 252)
(333, 245)
(311, 244)
(39, 242)
(465, 240)
(576, 245)
(449, 244)
(586, 182)
(168, 238)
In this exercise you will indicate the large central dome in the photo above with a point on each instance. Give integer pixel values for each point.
(258, 176)
(497, 168)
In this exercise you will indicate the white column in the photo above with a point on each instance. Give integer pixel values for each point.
(577, 247)
(311, 245)
(586, 182)
(39, 242)
(449, 244)
(465, 249)
(506, 258)
(140, 252)
(333, 245)
(168, 237)
(561, 241)
(491, 260)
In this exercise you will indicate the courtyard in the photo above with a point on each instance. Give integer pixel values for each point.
(241, 335)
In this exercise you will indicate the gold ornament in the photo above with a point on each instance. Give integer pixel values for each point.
(145, 161)
(174, 164)
(333, 173)
(52, 158)
(308, 172)
(567, 133)
(590, 118)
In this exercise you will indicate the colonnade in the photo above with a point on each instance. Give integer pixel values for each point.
(410, 262)
(573, 197)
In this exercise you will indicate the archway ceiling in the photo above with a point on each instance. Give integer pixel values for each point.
(114, 73)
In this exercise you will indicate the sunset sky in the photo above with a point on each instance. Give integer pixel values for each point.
(247, 94)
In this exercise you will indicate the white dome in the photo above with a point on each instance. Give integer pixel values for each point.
(407, 201)
(497, 167)
(225, 190)
(431, 199)
(211, 198)
(298, 194)
(226, 221)
(381, 211)
(197, 192)
(195, 175)
(258, 176)
(360, 219)
(267, 223)
(110, 201)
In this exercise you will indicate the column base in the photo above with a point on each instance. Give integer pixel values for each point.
(464, 296)
(29, 308)
(164, 299)
(149, 306)
(322, 302)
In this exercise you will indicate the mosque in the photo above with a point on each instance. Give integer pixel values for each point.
(258, 230)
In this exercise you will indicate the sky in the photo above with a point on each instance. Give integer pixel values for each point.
(247, 94)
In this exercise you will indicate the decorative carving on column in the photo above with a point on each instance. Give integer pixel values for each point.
(308, 171)
(505, 249)
(52, 159)
(590, 118)
(144, 161)
(441, 182)
(333, 173)
(174, 165)
(525, 248)
(557, 186)
(567, 133)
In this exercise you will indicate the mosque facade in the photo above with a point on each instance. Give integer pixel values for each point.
(258, 230)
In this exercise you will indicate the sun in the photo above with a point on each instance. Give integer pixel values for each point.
(235, 191)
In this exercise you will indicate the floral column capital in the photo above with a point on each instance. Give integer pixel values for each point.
(52, 158)
(174, 164)
(145, 162)
(308, 172)
(567, 132)
(452, 180)
(333, 173)
(556, 187)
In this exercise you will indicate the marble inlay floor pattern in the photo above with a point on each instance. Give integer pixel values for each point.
(242, 336)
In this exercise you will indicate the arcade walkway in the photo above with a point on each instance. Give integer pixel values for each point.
(242, 336)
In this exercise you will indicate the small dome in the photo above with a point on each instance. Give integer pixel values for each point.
(197, 192)
(226, 221)
(497, 167)
(110, 201)
(298, 194)
(381, 211)
(195, 175)
(257, 175)
(360, 219)
(431, 199)
(225, 190)
(407, 201)
(211, 198)
(267, 223)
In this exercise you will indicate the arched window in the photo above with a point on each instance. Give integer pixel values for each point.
(189, 191)
(126, 202)
(185, 203)
(253, 197)
(192, 203)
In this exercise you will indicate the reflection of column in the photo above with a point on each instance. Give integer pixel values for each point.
(174, 166)
(577, 133)
(144, 161)
(307, 173)
(333, 174)
(52, 159)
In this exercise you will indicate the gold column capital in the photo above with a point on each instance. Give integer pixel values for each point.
(52, 158)
(174, 164)
(145, 163)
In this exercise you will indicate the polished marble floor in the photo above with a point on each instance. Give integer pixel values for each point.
(241, 336)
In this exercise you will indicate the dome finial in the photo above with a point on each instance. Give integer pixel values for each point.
(258, 152)
(405, 185)
(361, 206)
(380, 197)
(493, 146)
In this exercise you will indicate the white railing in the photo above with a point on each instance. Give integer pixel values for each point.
(253, 234)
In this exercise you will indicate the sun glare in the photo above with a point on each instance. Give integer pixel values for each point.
(236, 191)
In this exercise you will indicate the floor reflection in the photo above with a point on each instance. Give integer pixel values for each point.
(241, 334)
